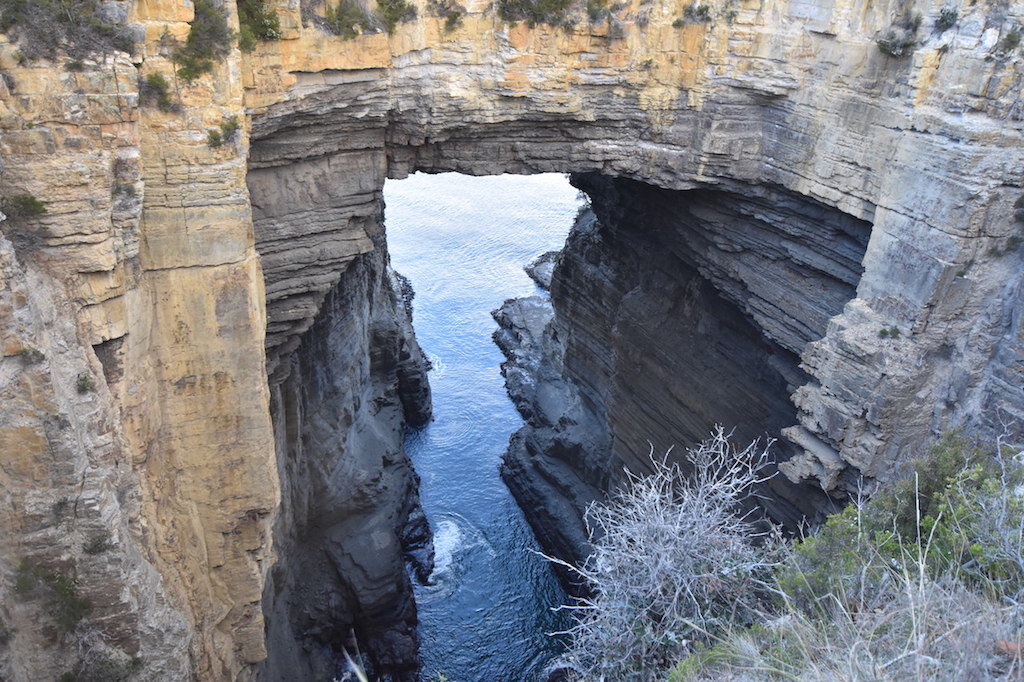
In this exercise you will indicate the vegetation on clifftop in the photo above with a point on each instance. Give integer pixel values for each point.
(451, 11)
(79, 28)
(923, 581)
(348, 18)
(209, 40)
(256, 21)
(533, 12)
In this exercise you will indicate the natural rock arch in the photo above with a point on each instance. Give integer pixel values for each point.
(160, 298)
(806, 156)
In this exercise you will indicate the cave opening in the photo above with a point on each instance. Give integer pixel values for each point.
(674, 310)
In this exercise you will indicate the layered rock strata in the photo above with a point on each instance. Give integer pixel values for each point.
(673, 312)
(852, 144)
(156, 292)
(350, 513)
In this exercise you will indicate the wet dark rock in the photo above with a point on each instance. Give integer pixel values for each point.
(544, 466)
(350, 518)
(542, 268)
(674, 312)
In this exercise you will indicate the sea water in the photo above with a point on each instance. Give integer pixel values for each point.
(463, 241)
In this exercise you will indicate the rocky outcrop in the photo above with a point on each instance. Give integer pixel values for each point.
(801, 192)
(673, 312)
(542, 269)
(350, 511)
(844, 156)
(554, 464)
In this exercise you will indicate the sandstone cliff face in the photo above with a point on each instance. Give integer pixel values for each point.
(822, 189)
(145, 262)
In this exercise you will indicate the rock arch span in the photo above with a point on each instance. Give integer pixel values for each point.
(817, 199)
(771, 108)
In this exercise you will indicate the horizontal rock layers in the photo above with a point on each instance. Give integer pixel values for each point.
(858, 158)
(674, 311)
(147, 272)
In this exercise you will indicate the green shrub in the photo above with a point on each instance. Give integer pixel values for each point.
(60, 507)
(225, 134)
(908, 585)
(449, 10)
(957, 513)
(84, 383)
(27, 578)
(896, 45)
(697, 13)
(66, 607)
(209, 40)
(1010, 42)
(20, 207)
(947, 19)
(901, 38)
(889, 332)
(32, 355)
(597, 10)
(154, 90)
(452, 21)
(533, 12)
(60, 593)
(394, 12)
(347, 18)
(256, 21)
(45, 27)
(97, 544)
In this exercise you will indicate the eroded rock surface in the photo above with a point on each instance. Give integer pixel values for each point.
(801, 191)
(350, 512)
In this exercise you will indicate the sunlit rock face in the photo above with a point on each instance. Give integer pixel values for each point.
(792, 179)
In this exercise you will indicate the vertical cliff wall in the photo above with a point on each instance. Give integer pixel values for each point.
(777, 151)
(675, 311)
(350, 514)
(140, 288)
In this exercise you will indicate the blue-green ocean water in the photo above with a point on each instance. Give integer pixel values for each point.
(463, 242)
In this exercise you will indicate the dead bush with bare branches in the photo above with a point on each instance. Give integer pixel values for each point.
(675, 561)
